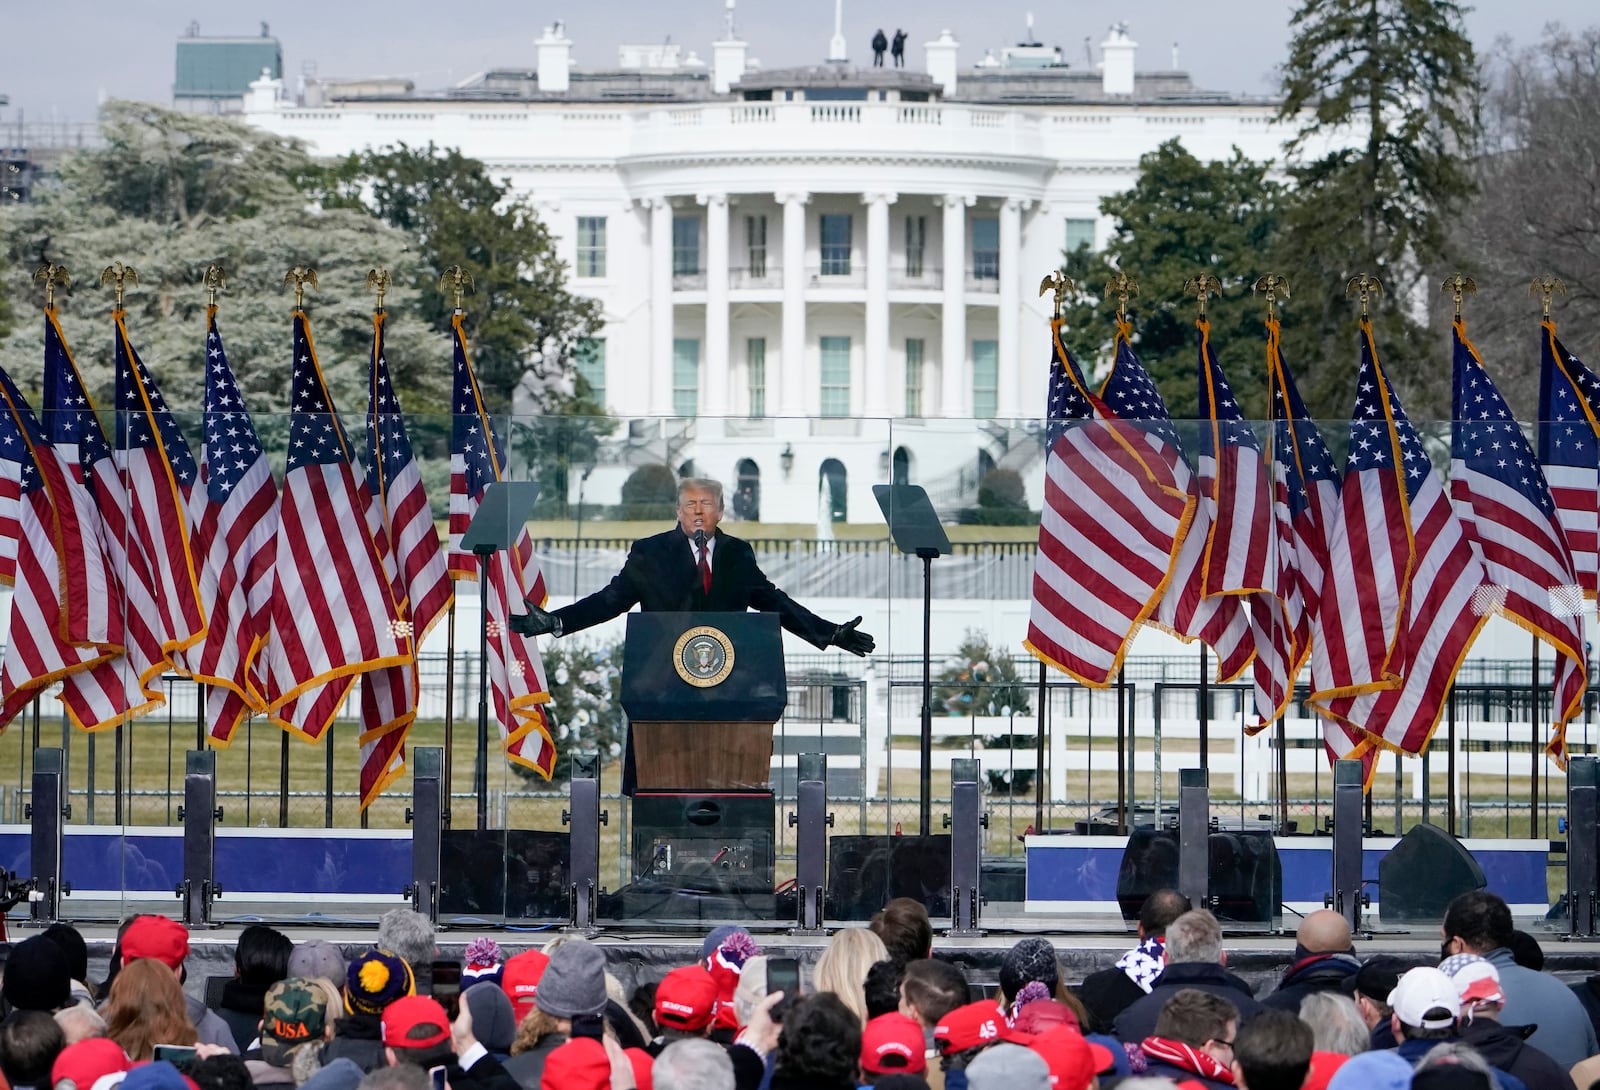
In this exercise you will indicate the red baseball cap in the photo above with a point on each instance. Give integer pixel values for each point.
(157, 937)
(580, 1064)
(1073, 1061)
(89, 1060)
(643, 1062)
(972, 1026)
(686, 998)
(519, 979)
(406, 1018)
(892, 1044)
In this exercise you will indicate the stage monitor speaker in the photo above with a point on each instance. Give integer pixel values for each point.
(704, 842)
(1243, 873)
(516, 873)
(1422, 874)
(867, 872)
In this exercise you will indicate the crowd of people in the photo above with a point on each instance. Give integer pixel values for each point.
(879, 1010)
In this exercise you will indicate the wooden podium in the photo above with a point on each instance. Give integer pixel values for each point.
(702, 692)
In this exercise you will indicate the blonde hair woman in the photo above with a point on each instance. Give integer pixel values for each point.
(842, 968)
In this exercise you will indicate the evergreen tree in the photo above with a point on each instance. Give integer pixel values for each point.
(522, 320)
(1183, 218)
(170, 193)
(1401, 75)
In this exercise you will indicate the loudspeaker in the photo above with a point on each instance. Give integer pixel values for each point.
(867, 872)
(1422, 874)
(1242, 871)
(704, 842)
(516, 873)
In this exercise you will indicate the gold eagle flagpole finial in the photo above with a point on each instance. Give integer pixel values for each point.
(1365, 286)
(456, 282)
(1274, 287)
(1122, 287)
(1060, 283)
(52, 275)
(216, 281)
(378, 281)
(1459, 286)
(300, 276)
(119, 276)
(1545, 287)
(1202, 287)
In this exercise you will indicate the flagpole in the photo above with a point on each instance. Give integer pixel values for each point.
(1038, 756)
(1533, 736)
(1122, 753)
(449, 701)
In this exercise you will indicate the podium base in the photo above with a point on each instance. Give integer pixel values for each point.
(660, 901)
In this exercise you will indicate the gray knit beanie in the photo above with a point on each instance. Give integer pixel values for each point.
(1027, 961)
(574, 983)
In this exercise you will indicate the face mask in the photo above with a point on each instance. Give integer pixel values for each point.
(1444, 949)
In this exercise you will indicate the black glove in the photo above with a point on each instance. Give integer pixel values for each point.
(849, 638)
(535, 622)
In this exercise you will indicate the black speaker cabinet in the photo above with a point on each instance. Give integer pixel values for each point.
(867, 872)
(709, 843)
(1422, 874)
(1243, 873)
(516, 873)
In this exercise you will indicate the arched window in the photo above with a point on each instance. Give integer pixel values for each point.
(902, 466)
(747, 493)
(831, 481)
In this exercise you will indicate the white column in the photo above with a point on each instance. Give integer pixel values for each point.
(660, 307)
(876, 384)
(955, 392)
(1010, 305)
(791, 368)
(715, 375)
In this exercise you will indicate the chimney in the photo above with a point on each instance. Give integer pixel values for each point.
(1116, 61)
(264, 95)
(555, 58)
(728, 56)
(941, 61)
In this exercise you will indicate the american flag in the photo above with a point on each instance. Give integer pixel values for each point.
(1504, 504)
(115, 691)
(333, 610)
(1569, 426)
(1307, 517)
(414, 559)
(235, 517)
(1115, 507)
(159, 473)
(51, 548)
(1444, 604)
(516, 674)
(1187, 609)
(1243, 556)
(1364, 605)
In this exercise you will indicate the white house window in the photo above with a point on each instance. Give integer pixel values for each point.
(835, 376)
(835, 229)
(985, 378)
(1079, 233)
(914, 348)
(756, 366)
(686, 376)
(591, 247)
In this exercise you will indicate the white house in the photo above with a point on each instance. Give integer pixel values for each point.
(825, 274)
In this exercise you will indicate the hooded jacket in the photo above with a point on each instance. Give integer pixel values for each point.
(1507, 1048)
(1311, 973)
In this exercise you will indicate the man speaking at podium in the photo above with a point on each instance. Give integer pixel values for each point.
(691, 568)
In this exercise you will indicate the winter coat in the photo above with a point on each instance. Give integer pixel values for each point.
(1139, 1020)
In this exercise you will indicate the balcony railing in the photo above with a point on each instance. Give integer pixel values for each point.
(769, 275)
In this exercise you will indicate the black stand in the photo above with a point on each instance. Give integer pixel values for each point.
(1347, 897)
(1194, 836)
(199, 814)
(585, 818)
(426, 814)
(965, 821)
(916, 530)
(501, 517)
(811, 843)
(1583, 775)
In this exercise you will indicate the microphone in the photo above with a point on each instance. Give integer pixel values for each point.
(700, 540)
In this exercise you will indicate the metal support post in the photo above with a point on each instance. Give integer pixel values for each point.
(47, 812)
(1347, 898)
(585, 819)
(811, 843)
(1583, 843)
(966, 822)
(1194, 836)
(199, 814)
(427, 817)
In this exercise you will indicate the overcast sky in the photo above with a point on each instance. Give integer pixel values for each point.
(58, 59)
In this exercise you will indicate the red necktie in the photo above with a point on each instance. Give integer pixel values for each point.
(705, 569)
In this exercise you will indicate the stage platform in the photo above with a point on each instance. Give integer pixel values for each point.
(638, 955)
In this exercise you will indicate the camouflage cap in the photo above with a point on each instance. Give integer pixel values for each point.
(298, 1011)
